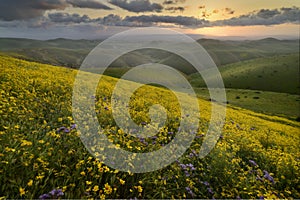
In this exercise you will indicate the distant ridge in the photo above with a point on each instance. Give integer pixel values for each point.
(70, 53)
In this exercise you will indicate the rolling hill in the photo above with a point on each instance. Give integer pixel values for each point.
(276, 73)
(70, 53)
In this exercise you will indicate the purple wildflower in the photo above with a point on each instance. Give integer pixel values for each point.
(182, 166)
(154, 137)
(142, 140)
(56, 192)
(191, 166)
(189, 190)
(106, 108)
(143, 123)
(170, 133)
(259, 178)
(268, 177)
(61, 129)
(186, 173)
(206, 183)
(67, 130)
(193, 153)
(73, 126)
(261, 197)
(253, 162)
(210, 190)
(44, 196)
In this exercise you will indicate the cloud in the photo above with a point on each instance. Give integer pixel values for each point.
(130, 21)
(172, 2)
(266, 13)
(229, 11)
(175, 9)
(68, 18)
(88, 4)
(176, 20)
(263, 17)
(260, 17)
(137, 5)
(27, 9)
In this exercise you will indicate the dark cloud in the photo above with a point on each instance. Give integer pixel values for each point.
(175, 9)
(137, 5)
(88, 4)
(229, 11)
(177, 20)
(205, 14)
(27, 9)
(68, 18)
(266, 13)
(130, 21)
(263, 17)
(172, 2)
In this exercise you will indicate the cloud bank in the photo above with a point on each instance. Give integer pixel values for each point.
(137, 6)
(26, 9)
(263, 17)
(32, 14)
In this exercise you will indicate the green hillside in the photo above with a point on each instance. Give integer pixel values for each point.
(277, 74)
(271, 103)
(257, 155)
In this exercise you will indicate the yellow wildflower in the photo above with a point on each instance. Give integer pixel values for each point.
(30, 183)
(82, 173)
(102, 196)
(88, 182)
(96, 188)
(107, 188)
(122, 182)
(22, 191)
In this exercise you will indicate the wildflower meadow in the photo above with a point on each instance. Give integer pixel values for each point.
(43, 157)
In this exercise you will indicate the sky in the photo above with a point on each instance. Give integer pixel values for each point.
(93, 19)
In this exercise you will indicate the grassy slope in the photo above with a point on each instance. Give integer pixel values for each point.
(271, 103)
(277, 74)
(36, 101)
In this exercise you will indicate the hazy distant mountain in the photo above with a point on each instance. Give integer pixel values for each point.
(70, 53)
